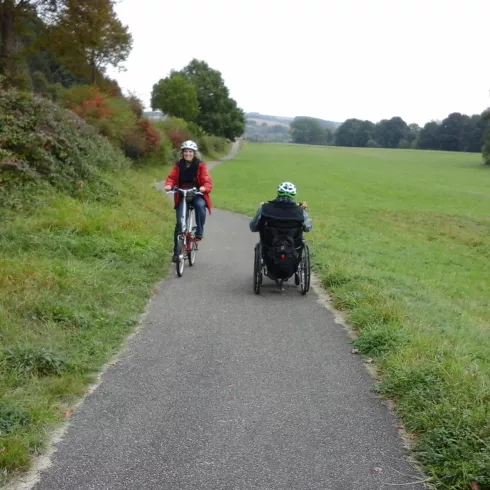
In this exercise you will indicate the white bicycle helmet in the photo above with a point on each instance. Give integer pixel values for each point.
(189, 145)
(286, 189)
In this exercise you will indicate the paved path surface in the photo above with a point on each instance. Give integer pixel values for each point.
(225, 390)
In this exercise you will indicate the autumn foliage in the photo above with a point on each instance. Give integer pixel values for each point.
(92, 108)
(118, 118)
(149, 132)
(178, 136)
(144, 140)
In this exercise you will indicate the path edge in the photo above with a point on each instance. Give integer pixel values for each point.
(43, 461)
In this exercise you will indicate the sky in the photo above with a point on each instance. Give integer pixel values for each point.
(332, 59)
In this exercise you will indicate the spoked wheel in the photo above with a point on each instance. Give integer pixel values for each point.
(305, 271)
(191, 255)
(179, 265)
(257, 269)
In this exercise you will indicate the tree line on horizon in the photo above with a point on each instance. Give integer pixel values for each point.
(457, 132)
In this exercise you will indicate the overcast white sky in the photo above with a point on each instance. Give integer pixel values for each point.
(333, 59)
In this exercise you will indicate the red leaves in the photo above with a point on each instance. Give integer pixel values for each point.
(94, 107)
(177, 137)
(118, 118)
(151, 135)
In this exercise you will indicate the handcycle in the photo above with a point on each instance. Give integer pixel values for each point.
(187, 245)
(301, 275)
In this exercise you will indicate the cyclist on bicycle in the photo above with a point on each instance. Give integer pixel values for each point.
(284, 206)
(187, 173)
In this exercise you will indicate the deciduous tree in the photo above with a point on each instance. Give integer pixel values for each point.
(12, 14)
(486, 140)
(390, 132)
(306, 130)
(356, 133)
(176, 96)
(218, 112)
(89, 34)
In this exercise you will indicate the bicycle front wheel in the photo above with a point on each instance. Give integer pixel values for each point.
(191, 255)
(180, 261)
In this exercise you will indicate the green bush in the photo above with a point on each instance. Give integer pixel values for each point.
(212, 145)
(173, 124)
(117, 118)
(122, 120)
(113, 117)
(177, 131)
(166, 153)
(42, 143)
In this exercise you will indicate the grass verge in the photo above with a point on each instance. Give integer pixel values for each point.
(213, 155)
(76, 275)
(401, 240)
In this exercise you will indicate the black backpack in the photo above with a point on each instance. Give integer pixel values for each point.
(283, 255)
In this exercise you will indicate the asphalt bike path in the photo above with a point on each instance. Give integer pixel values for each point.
(223, 389)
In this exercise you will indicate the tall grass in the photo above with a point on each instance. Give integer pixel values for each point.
(76, 275)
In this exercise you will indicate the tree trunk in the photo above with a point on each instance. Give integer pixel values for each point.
(93, 70)
(7, 18)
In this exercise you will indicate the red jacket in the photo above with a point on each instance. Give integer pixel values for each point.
(203, 179)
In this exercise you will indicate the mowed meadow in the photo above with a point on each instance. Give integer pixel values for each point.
(401, 240)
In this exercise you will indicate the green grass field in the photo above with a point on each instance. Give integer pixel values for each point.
(401, 240)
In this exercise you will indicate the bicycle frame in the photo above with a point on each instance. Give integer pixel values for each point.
(186, 222)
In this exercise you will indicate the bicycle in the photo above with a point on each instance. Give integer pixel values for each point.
(187, 243)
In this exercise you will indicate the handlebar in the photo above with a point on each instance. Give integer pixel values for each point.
(185, 191)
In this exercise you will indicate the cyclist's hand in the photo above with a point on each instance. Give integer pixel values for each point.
(304, 205)
(262, 203)
(168, 187)
(202, 189)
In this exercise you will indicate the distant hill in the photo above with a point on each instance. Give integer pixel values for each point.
(263, 127)
(154, 115)
(323, 122)
(269, 120)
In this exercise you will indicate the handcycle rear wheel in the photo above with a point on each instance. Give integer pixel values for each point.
(305, 270)
(257, 279)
